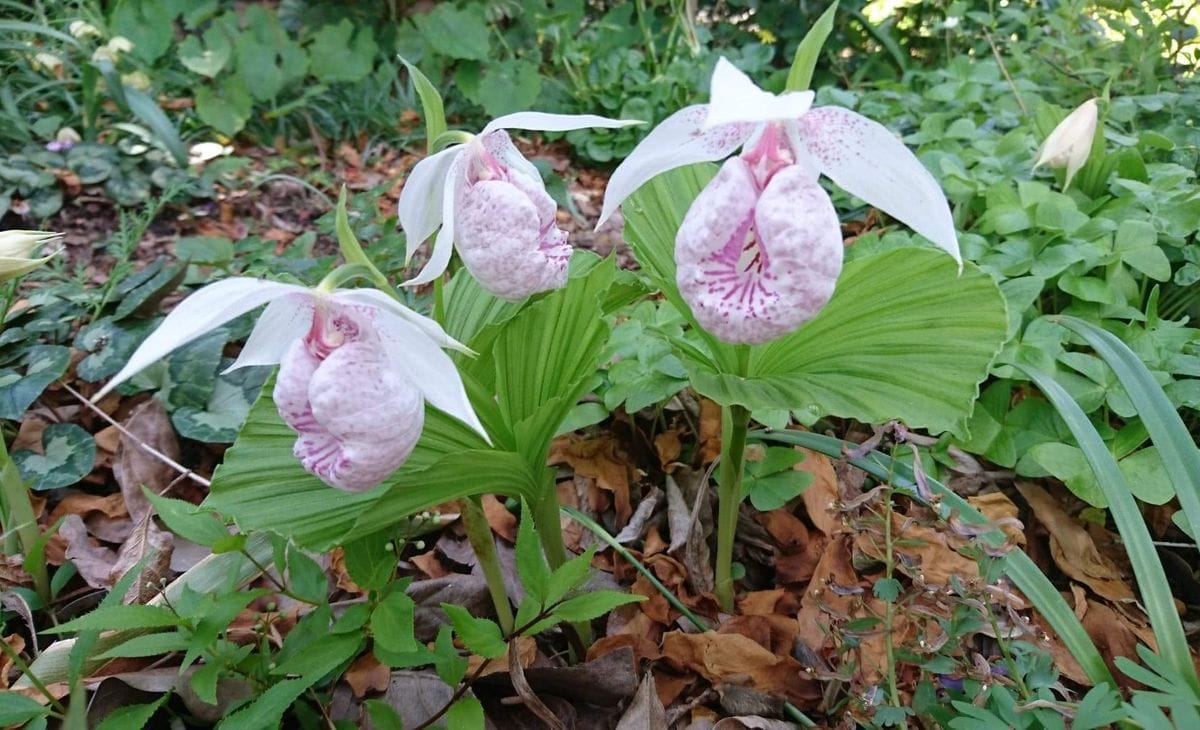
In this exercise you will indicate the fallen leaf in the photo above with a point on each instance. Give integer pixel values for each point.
(996, 506)
(94, 562)
(646, 711)
(134, 466)
(690, 516)
(16, 645)
(636, 527)
(526, 653)
(516, 674)
(417, 696)
(366, 675)
(502, 522)
(822, 493)
(153, 545)
(754, 723)
(708, 441)
(668, 447)
(737, 660)
(1072, 549)
(600, 459)
(773, 631)
(1116, 636)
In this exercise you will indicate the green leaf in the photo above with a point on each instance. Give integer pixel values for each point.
(225, 108)
(508, 86)
(260, 473)
(434, 113)
(370, 561)
(149, 24)
(306, 578)
(887, 589)
(16, 708)
(109, 618)
(454, 32)
(187, 520)
(1137, 242)
(569, 576)
(883, 348)
(148, 645)
(531, 561)
(132, 717)
(322, 657)
(152, 115)
(1171, 437)
(342, 54)
(43, 365)
(110, 344)
(465, 714)
(809, 51)
(68, 454)
(232, 395)
(592, 605)
(450, 667)
(1143, 558)
(209, 57)
(383, 716)
(211, 250)
(268, 709)
(481, 636)
(392, 623)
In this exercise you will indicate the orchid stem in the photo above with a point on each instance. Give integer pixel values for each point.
(18, 518)
(734, 421)
(479, 532)
(549, 523)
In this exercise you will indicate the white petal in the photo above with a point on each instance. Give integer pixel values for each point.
(205, 310)
(865, 159)
(500, 145)
(427, 367)
(544, 122)
(733, 97)
(679, 140)
(443, 245)
(284, 321)
(378, 300)
(420, 207)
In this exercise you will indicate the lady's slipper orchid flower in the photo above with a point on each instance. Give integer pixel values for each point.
(1071, 141)
(355, 370)
(760, 249)
(492, 206)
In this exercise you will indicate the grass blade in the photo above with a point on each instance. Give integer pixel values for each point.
(1167, 430)
(1017, 565)
(1143, 557)
(148, 110)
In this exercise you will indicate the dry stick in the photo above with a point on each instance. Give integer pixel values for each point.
(183, 470)
(1004, 70)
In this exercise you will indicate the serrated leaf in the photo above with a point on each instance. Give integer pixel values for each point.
(268, 709)
(592, 605)
(392, 623)
(531, 562)
(370, 561)
(148, 645)
(132, 717)
(342, 53)
(481, 636)
(466, 713)
(109, 618)
(887, 589)
(187, 520)
(569, 576)
(454, 32)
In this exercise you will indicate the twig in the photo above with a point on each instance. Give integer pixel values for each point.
(183, 470)
(1004, 70)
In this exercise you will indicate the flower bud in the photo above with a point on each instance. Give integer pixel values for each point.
(16, 250)
(1069, 145)
(82, 29)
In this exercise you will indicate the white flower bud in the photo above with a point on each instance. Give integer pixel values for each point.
(1069, 145)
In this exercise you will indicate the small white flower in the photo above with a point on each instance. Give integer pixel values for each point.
(47, 61)
(202, 152)
(137, 80)
(1070, 144)
(951, 22)
(83, 29)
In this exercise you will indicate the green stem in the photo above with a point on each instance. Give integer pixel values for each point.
(734, 421)
(484, 545)
(18, 518)
(889, 607)
(546, 519)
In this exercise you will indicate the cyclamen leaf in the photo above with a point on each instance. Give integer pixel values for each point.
(593, 605)
(481, 636)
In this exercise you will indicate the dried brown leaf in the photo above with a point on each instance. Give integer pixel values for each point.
(733, 659)
(135, 466)
(646, 711)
